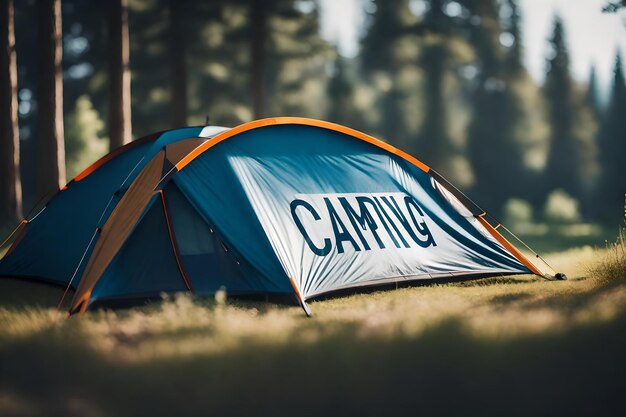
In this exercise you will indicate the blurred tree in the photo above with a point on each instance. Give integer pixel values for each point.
(571, 159)
(50, 149)
(178, 62)
(25, 16)
(526, 125)
(120, 131)
(387, 52)
(218, 65)
(435, 144)
(592, 97)
(296, 74)
(495, 153)
(612, 141)
(513, 58)
(258, 52)
(151, 67)
(85, 53)
(387, 23)
(220, 73)
(218, 62)
(10, 184)
(411, 56)
(341, 88)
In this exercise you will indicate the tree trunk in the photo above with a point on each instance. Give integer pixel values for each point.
(10, 185)
(50, 148)
(119, 75)
(258, 22)
(178, 67)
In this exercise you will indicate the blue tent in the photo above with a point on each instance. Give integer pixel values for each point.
(283, 206)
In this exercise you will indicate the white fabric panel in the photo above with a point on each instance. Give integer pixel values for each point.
(315, 238)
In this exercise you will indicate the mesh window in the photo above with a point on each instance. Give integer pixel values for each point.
(207, 261)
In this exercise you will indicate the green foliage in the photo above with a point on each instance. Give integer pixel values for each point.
(440, 58)
(84, 143)
(517, 211)
(561, 208)
(388, 56)
(296, 57)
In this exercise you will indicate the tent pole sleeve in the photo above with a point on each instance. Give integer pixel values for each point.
(303, 304)
(298, 121)
(170, 231)
(502, 240)
(474, 208)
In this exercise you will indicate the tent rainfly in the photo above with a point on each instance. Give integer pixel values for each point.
(283, 206)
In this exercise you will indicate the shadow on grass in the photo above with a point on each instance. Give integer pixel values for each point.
(444, 371)
(485, 282)
(568, 303)
(509, 298)
(20, 294)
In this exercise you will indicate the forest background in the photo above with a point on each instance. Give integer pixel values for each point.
(443, 80)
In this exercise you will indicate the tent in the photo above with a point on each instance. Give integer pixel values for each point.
(288, 207)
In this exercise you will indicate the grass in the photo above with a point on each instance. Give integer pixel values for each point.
(613, 264)
(511, 345)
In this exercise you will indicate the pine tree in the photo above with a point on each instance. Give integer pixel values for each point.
(570, 164)
(10, 184)
(50, 152)
(612, 141)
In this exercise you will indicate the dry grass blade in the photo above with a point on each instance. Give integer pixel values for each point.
(613, 265)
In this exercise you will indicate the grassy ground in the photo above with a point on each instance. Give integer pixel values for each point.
(501, 346)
